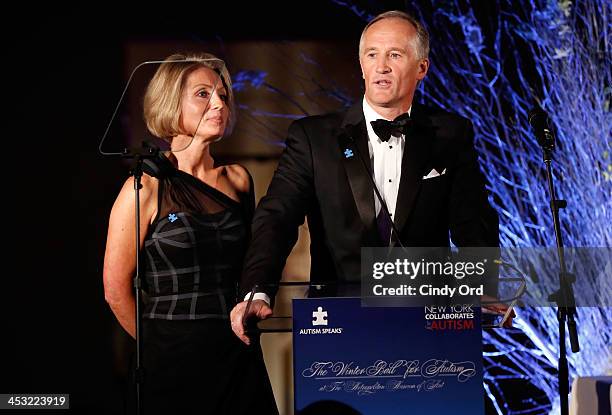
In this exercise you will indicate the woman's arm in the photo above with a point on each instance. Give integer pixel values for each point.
(119, 259)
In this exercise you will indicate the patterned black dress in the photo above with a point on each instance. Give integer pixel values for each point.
(193, 256)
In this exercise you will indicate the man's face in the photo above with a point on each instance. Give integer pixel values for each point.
(390, 65)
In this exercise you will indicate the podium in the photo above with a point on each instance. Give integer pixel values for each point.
(350, 359)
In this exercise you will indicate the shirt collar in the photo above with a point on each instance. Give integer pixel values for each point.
(371, 115)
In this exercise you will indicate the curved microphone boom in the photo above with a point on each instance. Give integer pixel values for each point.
(348, 132)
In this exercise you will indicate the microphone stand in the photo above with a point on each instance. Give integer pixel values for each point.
(564, 296)
(349, 133)
(138, 156)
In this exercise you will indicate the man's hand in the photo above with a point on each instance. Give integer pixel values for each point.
(259, 310)
(494, 307)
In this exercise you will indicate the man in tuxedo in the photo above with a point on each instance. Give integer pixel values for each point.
(422, 161)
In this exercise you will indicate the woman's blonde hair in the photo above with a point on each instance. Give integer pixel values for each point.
(162, 100)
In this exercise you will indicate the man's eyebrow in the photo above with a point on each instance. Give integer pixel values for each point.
(394, 48)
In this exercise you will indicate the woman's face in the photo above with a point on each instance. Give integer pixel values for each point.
(204, 107)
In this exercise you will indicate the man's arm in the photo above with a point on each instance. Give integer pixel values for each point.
(473, 222)
(279, 214)
(275, 226)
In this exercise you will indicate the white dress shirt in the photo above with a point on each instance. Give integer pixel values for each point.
(386, 160)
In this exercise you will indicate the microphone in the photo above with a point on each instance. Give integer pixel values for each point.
(538, 119)
(347, 134)
(156, 164)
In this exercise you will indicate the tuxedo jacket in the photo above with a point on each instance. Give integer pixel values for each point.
(322, 176)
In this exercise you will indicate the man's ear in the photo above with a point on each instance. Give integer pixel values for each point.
(423, 67)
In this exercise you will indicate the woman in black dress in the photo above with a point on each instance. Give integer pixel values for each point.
(195, 221)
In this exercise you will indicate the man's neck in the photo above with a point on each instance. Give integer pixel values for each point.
(389, 113)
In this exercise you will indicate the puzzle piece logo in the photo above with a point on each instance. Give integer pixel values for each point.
(348, 153)
(320, 317)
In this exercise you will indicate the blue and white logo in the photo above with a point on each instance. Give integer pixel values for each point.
(320, 317)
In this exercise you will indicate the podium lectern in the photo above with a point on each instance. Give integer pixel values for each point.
(350, 359)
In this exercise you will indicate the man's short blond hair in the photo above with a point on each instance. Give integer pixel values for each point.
(421, 32)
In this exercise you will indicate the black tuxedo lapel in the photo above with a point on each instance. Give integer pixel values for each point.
(417, 151)
(353, 144)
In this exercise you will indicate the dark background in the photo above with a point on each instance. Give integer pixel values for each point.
(65, 71)
(65, 68)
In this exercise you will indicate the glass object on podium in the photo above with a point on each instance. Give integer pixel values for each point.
(127, 131)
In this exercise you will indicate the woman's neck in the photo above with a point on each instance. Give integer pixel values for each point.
(195, 159)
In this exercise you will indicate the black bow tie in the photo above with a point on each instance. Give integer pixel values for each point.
(385, 129)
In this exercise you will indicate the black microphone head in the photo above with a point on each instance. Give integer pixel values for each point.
(538, 119)
(157, 164)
